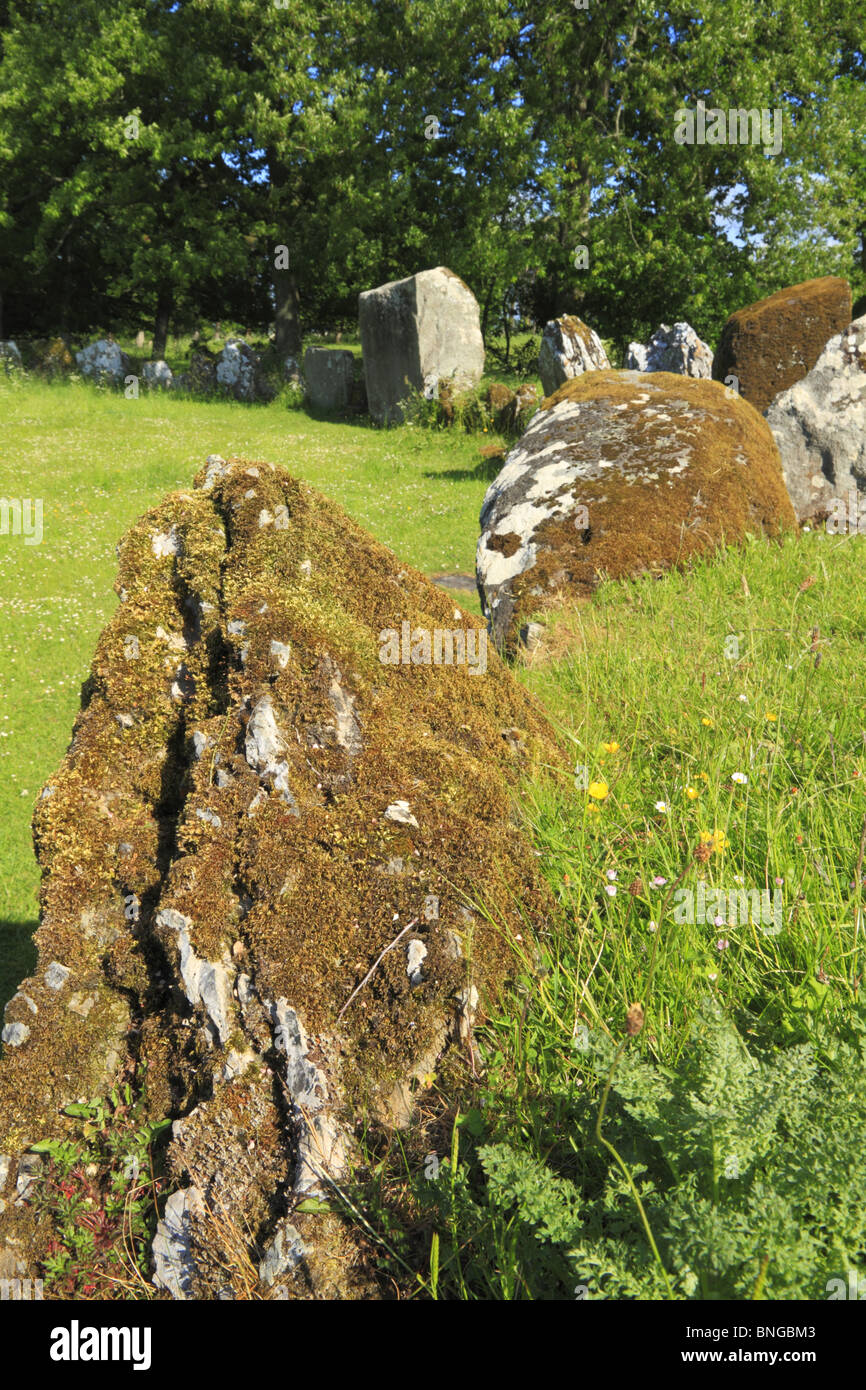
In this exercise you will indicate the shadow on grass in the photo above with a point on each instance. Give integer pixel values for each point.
(481, 473)
(17, 956)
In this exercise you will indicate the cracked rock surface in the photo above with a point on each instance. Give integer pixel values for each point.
(819, 425)
(219, 889)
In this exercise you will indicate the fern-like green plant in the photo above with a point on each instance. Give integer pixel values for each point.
(751, 1168)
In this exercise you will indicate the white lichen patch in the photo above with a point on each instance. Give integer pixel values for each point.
(206, 983)
(166, 543)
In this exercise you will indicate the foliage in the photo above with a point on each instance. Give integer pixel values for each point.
(751, 1169)
(153, 158)
(99, 1191)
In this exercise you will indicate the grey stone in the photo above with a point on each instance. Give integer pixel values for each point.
(172, 1255)
(283, 1253)
(239, 373)
(636, 357)
(568, 349)
(330, 374)
(557, 505)
(415, 333)
(157, 373)
(264, 744)
(29, 1173)
(677, 349)
(416, 954)
(81, 1004)
(166, 543)
(302, 1077)
(104, 361)
(15, 1034)
(206, 983)
(819, 425)
(400, 813)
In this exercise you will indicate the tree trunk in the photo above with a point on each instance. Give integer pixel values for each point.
(287, 325)
(485, 313)
(506, 324)
(63, 311)
(164, 306)
(288, 322)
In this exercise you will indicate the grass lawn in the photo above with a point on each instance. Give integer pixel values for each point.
(718, 727)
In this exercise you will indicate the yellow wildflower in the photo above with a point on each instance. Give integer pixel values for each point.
(716, 839)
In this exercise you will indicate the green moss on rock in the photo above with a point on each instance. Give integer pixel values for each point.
(225, 856)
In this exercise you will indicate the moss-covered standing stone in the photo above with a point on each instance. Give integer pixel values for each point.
(771, 344)
(617, 474)
(253, 808)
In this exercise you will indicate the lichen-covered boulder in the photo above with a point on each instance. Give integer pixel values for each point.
(620, 473)
(771, 344)
(239, 372)
(280, 869)
(416, 333)
(676, 349)
(330, 377)
(157, 374)
(568, 349)
(104, 361)
(819, 425)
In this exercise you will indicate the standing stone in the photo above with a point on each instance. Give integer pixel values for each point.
(620, 473)
(568, 349)
(140, 339)
(819, 425)
(415, 333)
(678, 350)
(104, 361)
(239, 372)
(260, 666)
(201, 377)
(777, 341)
(157, 373)
(10, 357)
(330, 375)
